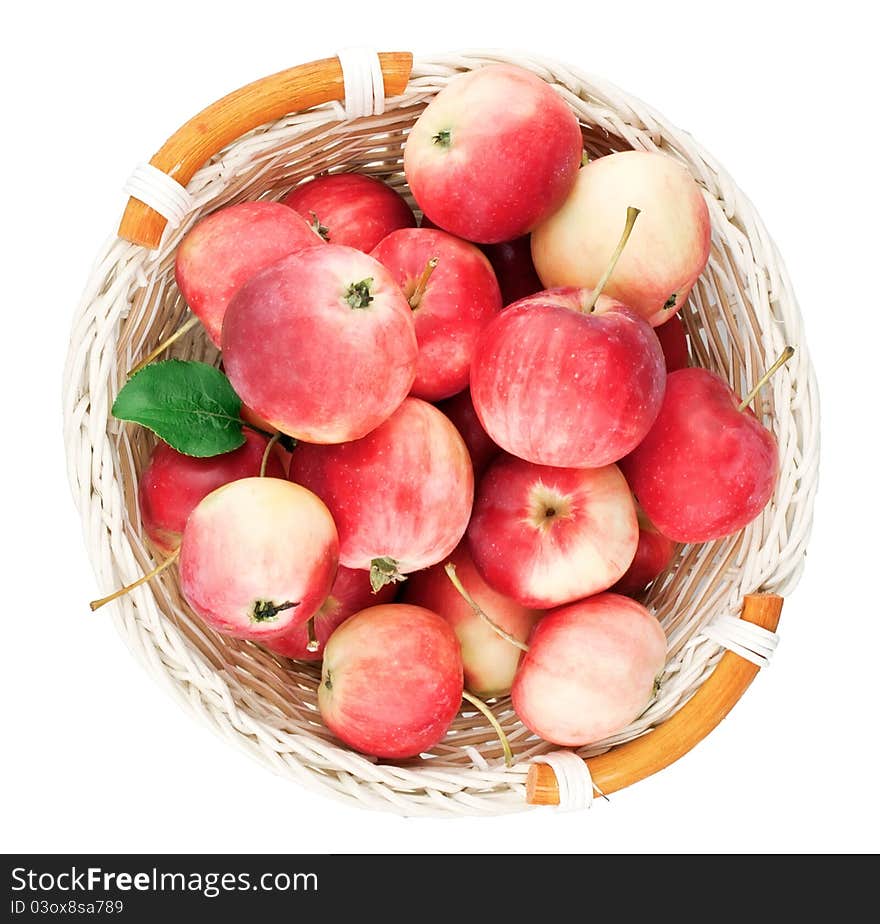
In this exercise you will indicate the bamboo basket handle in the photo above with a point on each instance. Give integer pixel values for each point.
(628, 763)
(241, 111)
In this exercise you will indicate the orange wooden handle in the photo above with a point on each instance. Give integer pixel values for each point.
(229, 118)
(628, 763)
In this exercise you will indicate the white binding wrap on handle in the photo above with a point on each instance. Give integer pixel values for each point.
(364, 83)
(160, 192)
(573, 775)
(749, 641)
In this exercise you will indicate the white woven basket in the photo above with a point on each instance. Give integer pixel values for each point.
(740, 315)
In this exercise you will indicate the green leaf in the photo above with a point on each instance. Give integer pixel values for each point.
(189, 405)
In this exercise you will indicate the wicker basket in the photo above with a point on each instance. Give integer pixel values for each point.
(718, 602)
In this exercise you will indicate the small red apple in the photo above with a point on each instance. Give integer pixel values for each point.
(351, 593)
(547, 536)
(452, 290)
(490, 661)
(258, 556)
(460, 410)
(590, 670)
(172, 484)
(707, 467)
(351, 209)
(669, 248)
(226, 249)
(391, 682)
(559, 384)
(401, 496)
(512, 262)
(321, 344)
(674, 342)
(653, 554)
(496, 151)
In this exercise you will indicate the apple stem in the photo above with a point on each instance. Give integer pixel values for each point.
(784, 357)
(321, 230)
(478, 610)
(478, 704)
(632, 213)
(422, 283)
(384, 571)
(358, 293)
(97, 604)
(267, 610)
(313, 643)
(163, 346)
(265, 460)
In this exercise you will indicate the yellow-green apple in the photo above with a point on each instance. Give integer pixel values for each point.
(653, 554)
(591, 669)
(391, 681)
(494, 153)
(351, 209)
(351, 593)
(707, 467)
(490, 661)
(460, 410)
(547, 536)
(674, 342)
(321, 344)
(258, 556)
(172, 484)
(401, 496)
(668, 249)
(452, 290)
(224, 250)
(559, 381)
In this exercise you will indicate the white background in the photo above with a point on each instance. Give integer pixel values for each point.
(96, 757)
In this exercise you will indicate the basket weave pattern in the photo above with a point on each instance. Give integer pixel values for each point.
(740, 315)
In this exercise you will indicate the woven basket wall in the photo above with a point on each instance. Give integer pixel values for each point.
(740, 315)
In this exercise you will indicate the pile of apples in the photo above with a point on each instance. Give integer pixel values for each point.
(476, 403)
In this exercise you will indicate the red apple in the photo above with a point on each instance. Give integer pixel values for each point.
(391, 682)
(668, 249)
(401, 496)
(546, 536)
(674, 342)
(351, 593)
(321, 344)
(512, 262)
(258, 556)
(516, 274)
(224, 250)
(590, 670)
(653, 555)
(706, 469)
(172, 484)
(495, 152)
(351, 209)
(453, 293)
(490, 661)
(556, 383)
(460, 410)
